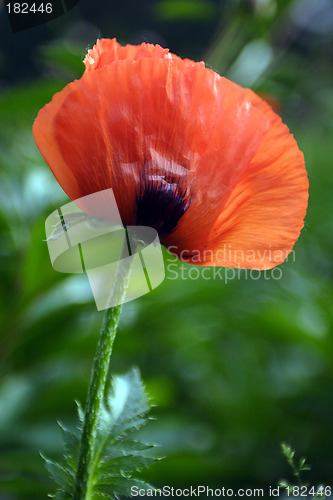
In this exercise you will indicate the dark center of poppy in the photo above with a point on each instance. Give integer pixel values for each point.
(161, 204)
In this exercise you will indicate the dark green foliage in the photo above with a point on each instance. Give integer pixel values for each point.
(234, 368)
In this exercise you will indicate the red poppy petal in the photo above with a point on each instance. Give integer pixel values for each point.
(177, 118)
(45, 138)
(225, 130)
(168, 113)
(99, 130)
(263, 216)
(107, 51)
(71, 133)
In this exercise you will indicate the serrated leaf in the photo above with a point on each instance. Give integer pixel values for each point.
(124, 410)
(115, 456)
(71, 445)
(80, 411)
(60, 495)
(60, 473)
(127, 463)
(125, 447)
(127, 402)
(120, 486)
(101, 496)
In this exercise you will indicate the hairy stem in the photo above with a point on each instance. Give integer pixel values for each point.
(97, 384)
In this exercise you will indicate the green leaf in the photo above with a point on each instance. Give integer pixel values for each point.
(80, 412)
(288, 452)
(60, 495)
(127, 463)
(114, 487)
(116, 456)
(71, 446)
(60, 473)
(116, 449)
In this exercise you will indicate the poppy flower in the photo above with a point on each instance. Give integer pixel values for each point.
(205, 162)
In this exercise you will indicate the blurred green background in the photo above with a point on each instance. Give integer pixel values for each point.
(234, 368)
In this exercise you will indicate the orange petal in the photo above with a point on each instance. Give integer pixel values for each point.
(45, 137)
(104, 128)
(263, 216)
(107, 51)
(225, 130)
(242, 170)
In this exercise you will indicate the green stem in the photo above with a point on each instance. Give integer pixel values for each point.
(97, 384)
(94, 400)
